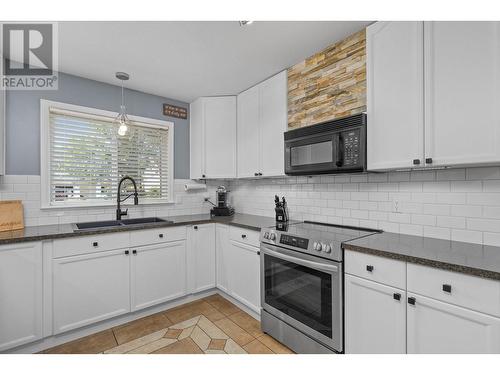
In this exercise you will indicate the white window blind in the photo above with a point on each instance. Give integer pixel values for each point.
(87, 158)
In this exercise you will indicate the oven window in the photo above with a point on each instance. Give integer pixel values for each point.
(314, 153)
(300, 292)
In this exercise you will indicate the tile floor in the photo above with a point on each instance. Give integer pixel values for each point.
(211, 325)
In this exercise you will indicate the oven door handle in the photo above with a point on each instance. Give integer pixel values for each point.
(299, 261)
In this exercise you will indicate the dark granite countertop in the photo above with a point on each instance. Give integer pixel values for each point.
(472, 259)
(49, 232)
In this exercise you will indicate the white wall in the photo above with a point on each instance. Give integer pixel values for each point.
(457, 204)
(27, 189)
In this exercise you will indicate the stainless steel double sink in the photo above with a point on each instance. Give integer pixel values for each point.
(112, 224)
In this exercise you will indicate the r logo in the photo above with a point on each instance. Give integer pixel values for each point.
(28, 49)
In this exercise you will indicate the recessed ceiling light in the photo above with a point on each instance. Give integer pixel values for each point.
(244, 23)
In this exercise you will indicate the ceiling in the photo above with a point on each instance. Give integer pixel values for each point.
(185, 60)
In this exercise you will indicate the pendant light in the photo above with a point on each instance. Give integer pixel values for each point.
(122, 119)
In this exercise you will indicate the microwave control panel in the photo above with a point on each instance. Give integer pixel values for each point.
(352, 147)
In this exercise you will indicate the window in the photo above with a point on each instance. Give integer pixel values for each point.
(83, 157)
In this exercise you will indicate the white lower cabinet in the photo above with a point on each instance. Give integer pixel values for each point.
(439, 327)
(158, 274)
(20, 294)
(90, 288)
(201, 258)
(375, 317)
(223, 247)
(243, 274)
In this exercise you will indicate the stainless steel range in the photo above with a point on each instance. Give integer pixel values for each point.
(302, 284)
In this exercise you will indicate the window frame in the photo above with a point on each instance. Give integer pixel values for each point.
(45, 171)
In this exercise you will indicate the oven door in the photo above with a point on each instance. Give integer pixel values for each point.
(305, 292)
(313, 154)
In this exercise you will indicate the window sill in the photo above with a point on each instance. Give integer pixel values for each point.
(104, 205)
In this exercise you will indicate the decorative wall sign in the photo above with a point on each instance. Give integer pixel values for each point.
(175, 111)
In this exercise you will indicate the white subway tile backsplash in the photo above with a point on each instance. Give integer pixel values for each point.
(492, 212)
(466, 235)
(450, 222)
(437, 232)
(492, 239)
(467, 186)
(450, 174)
(486, 225)
(484, 173)
(492, 186)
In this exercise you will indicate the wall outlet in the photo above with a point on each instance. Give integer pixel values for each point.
(396, 206)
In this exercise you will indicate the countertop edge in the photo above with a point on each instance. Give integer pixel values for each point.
(424, 262)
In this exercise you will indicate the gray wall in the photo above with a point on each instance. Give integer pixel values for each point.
(23, 119)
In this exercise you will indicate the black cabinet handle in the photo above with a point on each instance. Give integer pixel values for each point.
(95, 244)
(243, 236)
(160, 235)
(428, 161)
(134, 252)
(195, 227)
(260, 174)
(369, 268)
(258, 252)
(127, 252)
(411, 300)
(447, 288)
(203, 176)
(416, 161)
(255, 174)
(396, 296)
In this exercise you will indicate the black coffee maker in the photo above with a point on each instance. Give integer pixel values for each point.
(222, 208)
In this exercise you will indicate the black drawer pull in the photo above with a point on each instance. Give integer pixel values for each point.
(243, 236)
(258, 252)
(369, 268)
(255, 174)
(160, 235)
(134, 252)
(428, 161)
(416, 161)
(127, 252)
(95, 244)
(203, 176)
(396, 296)
(260, 174)
(195, 227)
(447, 288)
(411, 300)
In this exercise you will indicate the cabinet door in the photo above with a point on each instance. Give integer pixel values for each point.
(375, 317)
(439, 327)
(244, 274)
(20, 294)
(196, 144)
(223, 247)
(248, 133)
(219, 117)
(462, 80)
(90, 288)
(274, 120)
(158, 274)
(202, 257)
(395, 90)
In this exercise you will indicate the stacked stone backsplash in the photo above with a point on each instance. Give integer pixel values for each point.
(330, 84)
(27, 189)
(457, 204)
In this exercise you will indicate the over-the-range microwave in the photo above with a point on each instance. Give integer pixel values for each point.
(337, 146)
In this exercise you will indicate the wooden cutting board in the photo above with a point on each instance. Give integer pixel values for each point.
(11, 215)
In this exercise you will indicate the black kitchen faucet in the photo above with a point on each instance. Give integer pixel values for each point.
(119, 212)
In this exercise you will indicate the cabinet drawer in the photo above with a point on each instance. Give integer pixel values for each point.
(468, 291)
(90, 244)
(250, 237)
(383, 270)
(157, 235)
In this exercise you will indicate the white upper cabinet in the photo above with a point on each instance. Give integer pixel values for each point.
(395, 94)
(262, 120)
(249, 133)
(433, 89)
(462, 92)
(213, 137)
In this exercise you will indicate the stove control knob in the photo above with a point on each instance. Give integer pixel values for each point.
(266, 235)
(272, 236)
(327, 248)
(317, 246)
